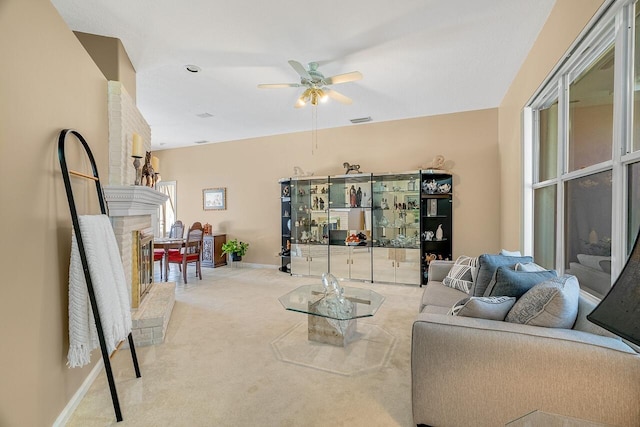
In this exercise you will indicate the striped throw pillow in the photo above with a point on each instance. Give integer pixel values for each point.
(461, 274)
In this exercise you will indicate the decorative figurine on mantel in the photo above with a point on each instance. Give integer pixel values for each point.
(349, 168)
(148, 175)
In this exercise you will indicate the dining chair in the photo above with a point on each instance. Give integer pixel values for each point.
(158, 255)
(176, 231)
(191, 252)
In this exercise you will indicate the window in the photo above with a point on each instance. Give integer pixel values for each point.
(591, 114)
(167, 212)
(548, 147)
(583, 185)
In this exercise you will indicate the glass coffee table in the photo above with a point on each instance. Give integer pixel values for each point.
(331, 320)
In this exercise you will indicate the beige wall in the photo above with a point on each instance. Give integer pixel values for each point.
(566, 21)
(250, 170)
(52, 83)
(47, 82)
(110, 56)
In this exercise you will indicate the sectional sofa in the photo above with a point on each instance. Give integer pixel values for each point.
(469, 371)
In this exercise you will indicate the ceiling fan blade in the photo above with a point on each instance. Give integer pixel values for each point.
(338, 96)
(300, 69)
(278, 85)
(343, 78)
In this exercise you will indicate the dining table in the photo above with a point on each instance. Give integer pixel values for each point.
(167, 244)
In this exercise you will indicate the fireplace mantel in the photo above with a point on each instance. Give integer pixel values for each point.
(130, 200)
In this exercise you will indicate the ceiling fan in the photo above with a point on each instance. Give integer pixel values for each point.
(316, 84)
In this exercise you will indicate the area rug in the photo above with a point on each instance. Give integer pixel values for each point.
(369, 351)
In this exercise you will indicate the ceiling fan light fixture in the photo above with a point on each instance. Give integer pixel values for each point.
(323, 96)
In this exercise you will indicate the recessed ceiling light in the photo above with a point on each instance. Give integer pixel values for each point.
(192, 68)
(204, 115)
(361, 120)
(200, 142)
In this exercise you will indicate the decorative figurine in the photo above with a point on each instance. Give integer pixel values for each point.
(444, 188)
(148, 175)
(430, 187)
(359, 197)
(321, 201)
(349, 168)
(352, 197)
(439, 233)
(297, 171)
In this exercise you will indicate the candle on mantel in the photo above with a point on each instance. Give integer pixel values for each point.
(137, 150)
(155, 164)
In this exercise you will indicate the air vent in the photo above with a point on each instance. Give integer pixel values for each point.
(204, 115)
(201, 142)
(361, 120)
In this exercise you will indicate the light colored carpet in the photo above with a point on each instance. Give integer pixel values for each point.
(234, 356)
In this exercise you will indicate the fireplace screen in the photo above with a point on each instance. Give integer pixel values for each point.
(142, 266)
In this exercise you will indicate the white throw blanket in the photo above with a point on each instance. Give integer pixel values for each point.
(110, 289)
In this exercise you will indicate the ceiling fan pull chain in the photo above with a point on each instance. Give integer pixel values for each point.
(314, 128)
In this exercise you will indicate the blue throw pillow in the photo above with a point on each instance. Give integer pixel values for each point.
(487, 266)
(514, 283)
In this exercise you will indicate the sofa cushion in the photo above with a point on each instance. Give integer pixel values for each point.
(551, 304)
(491, 308)
(435, 309)
(487, 266)
(460, 276)
(435, 293)
(529, 266)
(510, 253)
(512, 283)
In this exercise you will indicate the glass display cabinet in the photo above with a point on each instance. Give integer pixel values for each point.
(378, 228)
(350, 226)
(436, 222)
(285, 226)
(396, 228)
(309, 226)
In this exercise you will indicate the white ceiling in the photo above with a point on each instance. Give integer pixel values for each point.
(418, 58)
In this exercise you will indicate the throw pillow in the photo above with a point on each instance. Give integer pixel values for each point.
(487, 266)
(460, 276)
(510, 253)
(551, 304)
(512, 283)
(491, 308)
(529, 266)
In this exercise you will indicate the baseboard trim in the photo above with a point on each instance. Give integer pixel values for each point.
(68, 410)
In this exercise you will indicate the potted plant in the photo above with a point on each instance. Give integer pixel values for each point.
(235, 249)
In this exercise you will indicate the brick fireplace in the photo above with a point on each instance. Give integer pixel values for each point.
(133, 211)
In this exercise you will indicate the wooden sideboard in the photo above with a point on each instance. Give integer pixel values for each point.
(212, 255)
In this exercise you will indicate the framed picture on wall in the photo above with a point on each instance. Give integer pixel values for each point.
(214, 199)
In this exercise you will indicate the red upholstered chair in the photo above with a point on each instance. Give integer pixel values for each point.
(158, 255)
(192, 251)
(177, 231)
